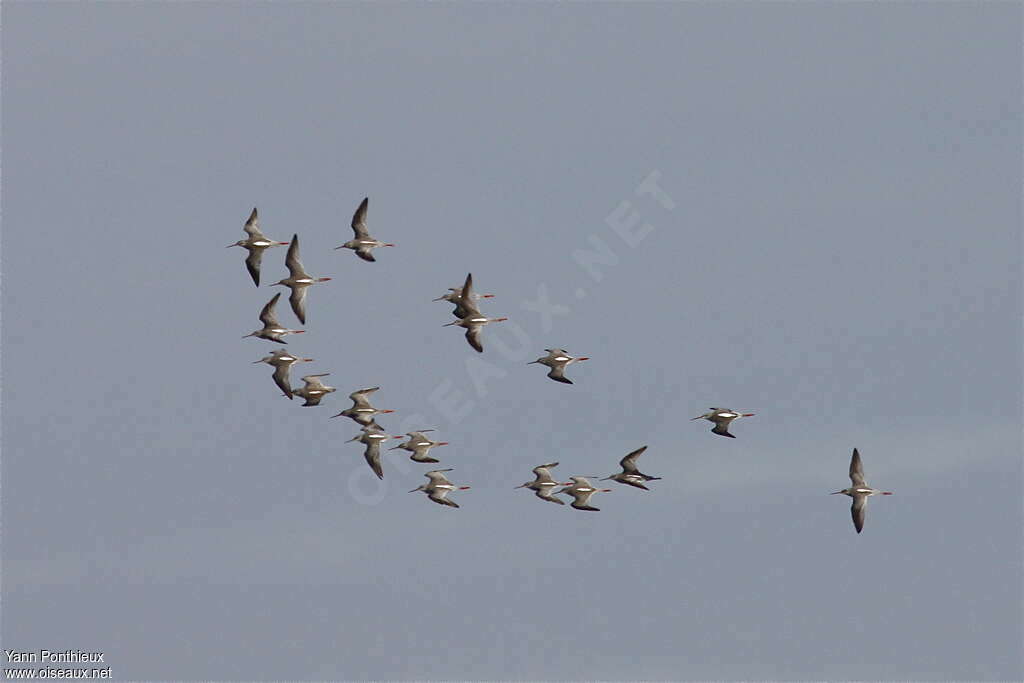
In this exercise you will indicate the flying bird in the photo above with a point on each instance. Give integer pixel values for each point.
(860, 491)
(361, 410)
(581, 490)
(363, 244)
(255, 244)
(298, 280)
(543, 484)
(272, 330)
(557, 360)
(630, 474)
(282, 362)
(722, 417)
(474, 320)
(438, 487)
(313, 390)
(372, 435)
(419, 445)
(454, 296)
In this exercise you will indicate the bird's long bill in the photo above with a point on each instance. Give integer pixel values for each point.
(414, 491)
(231, 245)
(440, 298)
(834, 493)
(450, 324)
(354, 438)
(696, 418)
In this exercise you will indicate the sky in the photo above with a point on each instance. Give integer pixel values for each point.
(810, 212)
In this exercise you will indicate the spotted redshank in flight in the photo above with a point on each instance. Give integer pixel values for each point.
(313, 390)
(438, 487)
(557, 360)
(361, 410)
(543, 484)
(298, 280)
(581, 490)
(630, 474)
(363, 244)
(282, 362)
(256, 243)
(860, 491)
(419, 445)
(272, 330)
(722, 417)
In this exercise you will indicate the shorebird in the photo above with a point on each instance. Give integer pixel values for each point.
(473, 325)
(363, 244)
(581, 490)
(298, 280)
(557, 360)
(438, 487)
(282, 362)
(361, 410)
(630, 474)
(372, 436)
(313, 390)
(272, 330)
(255, 244)
(454, 296)
(544, 484)
(419, 445)
(860, 491)
(721, 417)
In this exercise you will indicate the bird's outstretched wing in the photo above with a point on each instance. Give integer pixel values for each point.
(298, 302)
(282, 381)
(252, 264)
(857, 510)
(372, 455)
(722, 429)
(557, 373)
(473, 337)
(252, 226)
(267, 316)
(365, 254)
(292, 261)
(857, 470)
(628, 463)
(359, 221)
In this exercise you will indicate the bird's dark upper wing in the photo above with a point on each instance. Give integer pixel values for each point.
(252, 264)
(298, 302)
(292, 259)
(267, 316)
(557, 373)
(282, 381)
(372, 455)
(473, 337)
(252, 226)
(722, 428)
(856, 470)
(359, 220)
(628, 463)
(365, 254)
(858, 509)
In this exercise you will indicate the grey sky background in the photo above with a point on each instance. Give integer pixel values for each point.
(843, 259)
